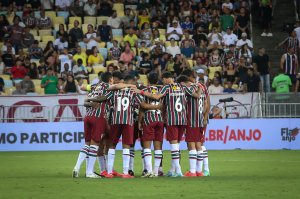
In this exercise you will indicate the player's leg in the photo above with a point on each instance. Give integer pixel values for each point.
(204, 154)
(83, 154)
(158, 139)
(132, 151)
(101, 156)
(148, 137)
(199, 164)
(127, 139)
(191, 138)
(172, 137)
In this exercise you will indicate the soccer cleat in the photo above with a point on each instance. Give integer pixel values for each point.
(130, 172)
(160, 173)
(147, 175)
(92, 175)
(199, 174)
(270, 34)
(75, 174)
(189, 174)
(127, 176)
(263, 34)
(103, 173)
(116, 174)
(109, 175)
(177, 175)
(206, 173)
(144, 172)
(169, 174)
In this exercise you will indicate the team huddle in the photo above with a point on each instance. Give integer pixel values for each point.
(124, 109)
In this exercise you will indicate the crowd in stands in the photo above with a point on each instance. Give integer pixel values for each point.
(51, 47)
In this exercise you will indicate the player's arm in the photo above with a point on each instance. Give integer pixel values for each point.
(206, 108)
(190, 91)
(120, 86)
(141, 118)
(147, 106)
(87, 104)
(97, 99)
(147, 94)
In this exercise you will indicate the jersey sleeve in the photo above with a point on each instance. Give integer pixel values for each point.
(109, 95)
(189, 90)
(138, 98)
(164, 90)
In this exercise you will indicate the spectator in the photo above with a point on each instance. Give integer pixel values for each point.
(145, 65)
(144, 17)
(90, 8)
(146, 34)
(95, 58)
(28, 38)
(174, 32)
(80, 55)
(282, 83)
(261, 64)
(186, 37)
(187, 25)
(133, 26)
(19, 90)
(227, 4)
(159, 19)
(75, 35)
(65, 58)
(62, 32)
(18, 71)
(216, 87)
(44, 22)
(60, 85)
(61, 43)
(79, 70)
(105, 7)
(242, 22)
(115, 51)
(91, 38)
(200, 23)
(8, 59)
(215, 113)
(200, 36)
(243, 41)
(129, 15)
(16, 33)
(104, 31)
(173, 49)
(246, 53)
(80, 85)
(252, 82)
(229, 38)
(35, 52)
(63, 5)
(33, 71)
(266, 12)
(214, 37)
(291, 41)
(114, 21)
(289, 63)
(47, 4)
(49, 82)
(187, 50)
(27, 84)
(179, 64)
(67, 70)
(201, 77)
(3, 24)
(131, 38)
(229, 88)
(227, 21)
(1, 85)
(70, 86)
(242, 70)
(30, 20)
(76, 9)
(127, 56)
(204, 16)
(230, 74)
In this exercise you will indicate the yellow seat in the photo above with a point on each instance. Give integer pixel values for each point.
(85, 28)
(90, 20)
(34, 32)
(100, 19)
(47, 38)
(89, 69)
(5, 77)
(98, 69)
(118, 6)
(38, 38)
(39, 90)
(101, 45)
(120, 13)
(92, 77)
(36, 82)
(50, 14)
(118, 38)
(115, 62)
(43, 45)
(45, 32)
(58, 20)
(144, 79)
(191, 62)
(8, 91)
(72, 19)
(162, 31)
(56, 26)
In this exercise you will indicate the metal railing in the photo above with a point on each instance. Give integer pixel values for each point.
(277, 110)
(68, 113)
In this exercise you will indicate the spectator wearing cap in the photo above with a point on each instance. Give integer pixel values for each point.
(173, 49)
(114, 21)
(242, 22)
(105, 32)
(91, 38)
(28, 38)
(229, 38)
(76, 8)
(115, 51)
(90, 8)
(131, 38)
(201, 77)
(226, 20)
(75, 35)
(44, 22)
(35, 52)
(215, 87)
(199, 36)
(243, 41)
(62, 5)
(227, 4)
(174, 31)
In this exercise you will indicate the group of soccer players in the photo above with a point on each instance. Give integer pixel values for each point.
(125, 109)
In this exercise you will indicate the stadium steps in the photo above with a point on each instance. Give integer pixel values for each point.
(284, 13)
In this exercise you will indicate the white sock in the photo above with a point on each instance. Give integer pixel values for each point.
(81, 157)
(157, 161)
(92, 158)
(143, 160)
(126, 159)
(110, 160)
(205, 158)
(199, 161)
(193, 160)
(175, 157)
(148, 160)
(102, 163)
(131, 162)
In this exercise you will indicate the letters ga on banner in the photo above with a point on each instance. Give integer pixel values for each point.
(261, 134)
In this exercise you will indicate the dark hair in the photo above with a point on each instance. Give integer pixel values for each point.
(188, 73)
(153, 78)
(79, 61)
(105, 77)
(251, 69)
(182, 78)
(117, 74)
(129, 77)
(167, 75)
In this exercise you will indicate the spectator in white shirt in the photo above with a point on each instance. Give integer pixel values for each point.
(173, 49)
(90, 8)
(91, 38)
(114, 21)
(215, 88)
(243, 41)
(229, 38)
(174, 31)
(63, 4)
(214, 36)
(60, 43)
(65, 58)
(227, 4)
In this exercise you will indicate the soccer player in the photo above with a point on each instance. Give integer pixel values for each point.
(197, 114)
(174, 100)
(153, 129)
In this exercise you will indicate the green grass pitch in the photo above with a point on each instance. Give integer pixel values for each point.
(234, 174)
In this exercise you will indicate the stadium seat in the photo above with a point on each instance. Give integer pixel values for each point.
(162, 31)
(34, 32)
(58, 20)
(115, 62)
(38, 38)
(8, 91)
(92, 77)
(100, 19)
(43, 45)
(72, 19)
(144, 80)
(101, 45)
(64, 14)
(1, 44)
(90, 20)
(132, 7)
(25, 50)
(36, 82)
(50, 14)
(84, 28)
(37, 14)
(89, 69)
(119, 7)
(39, 90)
(47, 38)
(118, 38)
(103, 52)
(5, 77)
(16, 81)
(8, 83)
(109, 45)
(117, 32)
(191, 62)
(46, 32)
(98, 69)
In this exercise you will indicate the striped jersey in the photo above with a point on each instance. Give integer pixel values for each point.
(195, 107)
(290, 63)
(152, 115)
(174, 101)
(100, 89)
(123, 102)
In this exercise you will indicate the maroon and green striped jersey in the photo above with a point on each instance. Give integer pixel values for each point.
(174, 101)
(123, 102)
(152, 115)
(100, 89)
(195, 106)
